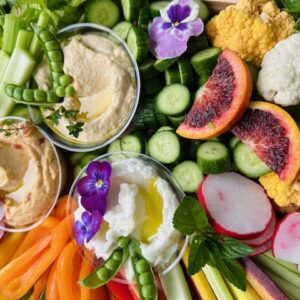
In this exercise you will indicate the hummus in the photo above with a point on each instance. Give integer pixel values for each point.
(105, 85)
(140, 205)
(29, 175)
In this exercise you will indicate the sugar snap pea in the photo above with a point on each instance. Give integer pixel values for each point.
(109, 268)
(31, 96)
(143, 273)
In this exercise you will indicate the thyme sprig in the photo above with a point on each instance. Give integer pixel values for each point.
(71, 115)
(15, 129)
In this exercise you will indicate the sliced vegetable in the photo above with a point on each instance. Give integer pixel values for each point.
(131, 9)
(122, 29)
(163, 64)
(137, 41)
(156, 6)
(133, 142)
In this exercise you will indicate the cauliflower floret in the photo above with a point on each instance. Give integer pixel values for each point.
(279, 78)
(284, 195)
(251, 28)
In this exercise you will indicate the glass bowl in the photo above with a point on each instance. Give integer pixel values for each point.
(160, 170)
(50, 206)
(71, 144)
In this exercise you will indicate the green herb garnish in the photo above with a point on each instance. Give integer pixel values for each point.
(208, 247)
(14, 129)
(74, 127)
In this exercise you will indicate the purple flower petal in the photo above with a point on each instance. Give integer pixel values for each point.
(86, 186)
(99, 170)
(97, 219)
(86, 218)
(178, 13)
(80, 232)
(195, 28)
(157, 31)
(94, 202)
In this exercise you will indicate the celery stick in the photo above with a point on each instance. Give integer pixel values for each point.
(4, 60)
(217, 283)
(289, 289)
(175, 285)
(18, 71)
(24, 39)
(279, 269)
(35, 46)
(290, 266)
(11, 28)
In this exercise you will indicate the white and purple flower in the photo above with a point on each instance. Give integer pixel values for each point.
(169, 33)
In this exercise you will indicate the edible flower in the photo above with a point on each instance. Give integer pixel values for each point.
(96, 183)
(169, 33)
(89, 226)
(93, 190)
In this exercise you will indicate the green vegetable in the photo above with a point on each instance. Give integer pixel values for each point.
(207, 247)
(143, 273)
(122, 29)
(108, 269)
(137, 42)
(131, 9)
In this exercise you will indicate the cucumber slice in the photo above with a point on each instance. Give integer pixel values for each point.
(196, 44)
(173, 100)
(203, 79)
(115, 146)
(104, 12)
(137, 42)
(86, 159)
(248, 162)
(131, 9)
(203, 11)
(188, 175)
(122, 29)
(77, 170)
(133, 142)
(75, 158)
(164, 146)
(233, 142)
(138, 120)
(193, 148)
(176, 120)
(163, 128)
(149, 116)
(161, 118)
(185, 71)
(163, 64)
(205, 61)
(213, 158)
(144, 16)
(172, 75)
(21, 110)
(147, 69)
(155, 8)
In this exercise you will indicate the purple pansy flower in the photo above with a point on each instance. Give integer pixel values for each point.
(89, 226)
(94, 187)
(169, 33)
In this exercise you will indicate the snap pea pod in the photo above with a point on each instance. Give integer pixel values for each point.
(60, 81)
(109, 268)
(35, 97)
(143, 273)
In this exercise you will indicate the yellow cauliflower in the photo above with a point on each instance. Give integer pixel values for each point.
(251, 28)
(285, 196)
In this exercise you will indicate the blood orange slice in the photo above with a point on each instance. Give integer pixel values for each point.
(274, 136)
(222, 101)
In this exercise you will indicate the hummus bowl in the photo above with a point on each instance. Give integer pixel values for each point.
(30, 175)
(107, 87)
(141, 202)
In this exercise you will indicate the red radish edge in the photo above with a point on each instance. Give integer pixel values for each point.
(266, 236)
(276, 235)
(220, 229)
(262, 248)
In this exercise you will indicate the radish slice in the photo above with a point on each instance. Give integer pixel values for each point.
(262, 248)
(2, 211)
(237, 205)
(265, 236)
(1, 231)
(286, 242)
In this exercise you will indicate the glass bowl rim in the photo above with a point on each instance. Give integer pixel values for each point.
(177, 187)
(41, 219)
(81, 148)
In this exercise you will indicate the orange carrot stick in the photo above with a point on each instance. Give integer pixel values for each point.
(21, 264)
(86, 269)
(60, 210)
(68, 268)
(51, 289)
(39, 286)
(35, 235)
(20, 285)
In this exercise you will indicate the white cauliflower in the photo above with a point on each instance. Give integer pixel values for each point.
(279, 78)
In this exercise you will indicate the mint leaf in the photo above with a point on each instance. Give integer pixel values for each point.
(232, 271)
(232, 248)
(198, 256)
(189, 216)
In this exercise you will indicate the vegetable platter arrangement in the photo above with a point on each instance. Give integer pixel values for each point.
(172, 130)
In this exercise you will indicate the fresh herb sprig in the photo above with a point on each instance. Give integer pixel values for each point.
(13, 129)
(207, 247)
(74, 127)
